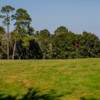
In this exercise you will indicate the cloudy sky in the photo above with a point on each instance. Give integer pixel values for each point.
(76, 15)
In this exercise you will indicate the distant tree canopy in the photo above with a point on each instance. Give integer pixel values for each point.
(61, 29)
(26, 43)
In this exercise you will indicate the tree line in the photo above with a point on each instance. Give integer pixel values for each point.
(26, 43)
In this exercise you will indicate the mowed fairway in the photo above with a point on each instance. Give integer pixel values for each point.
(76, 79)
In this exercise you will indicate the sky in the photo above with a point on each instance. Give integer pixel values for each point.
(76, 15)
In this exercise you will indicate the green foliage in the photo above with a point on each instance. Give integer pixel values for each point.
(3, 40)
(30, 30)
(44, 40)
(22, 18)
(61, 29)
(2, 30)
(28, 48)
(88, 45)
(63, 45)
(26, 43)
(6, 10)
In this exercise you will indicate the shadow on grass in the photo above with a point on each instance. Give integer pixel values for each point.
(84, 98)
(33, 94)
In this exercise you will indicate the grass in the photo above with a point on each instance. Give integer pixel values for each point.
(77, 79)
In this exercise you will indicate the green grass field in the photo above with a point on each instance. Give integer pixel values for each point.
(77, 79)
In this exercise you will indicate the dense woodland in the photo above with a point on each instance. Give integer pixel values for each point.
(26, 43)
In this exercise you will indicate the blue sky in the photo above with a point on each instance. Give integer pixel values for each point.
(76, 15)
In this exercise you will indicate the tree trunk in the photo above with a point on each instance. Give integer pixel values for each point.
(14, 50)
(7, 39)
(20, 56)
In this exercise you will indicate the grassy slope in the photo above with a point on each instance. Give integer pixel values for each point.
(73, 78)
